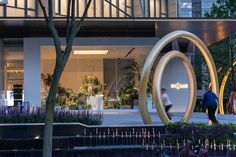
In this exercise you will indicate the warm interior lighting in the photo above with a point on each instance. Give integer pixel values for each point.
(90, 52)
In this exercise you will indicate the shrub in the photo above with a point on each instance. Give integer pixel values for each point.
(219, 133)
(36, 115)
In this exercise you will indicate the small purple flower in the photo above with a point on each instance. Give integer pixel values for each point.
(37, 115)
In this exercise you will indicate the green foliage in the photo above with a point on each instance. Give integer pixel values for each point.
(12, 115)
(223, 51)
(66, 97)
(223, 9)
(133, 74)
(47, 79)
(219, 133)
(128, 94)
(91, 86)
(132, 71)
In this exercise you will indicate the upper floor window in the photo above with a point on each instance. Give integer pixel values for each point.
(98, 8)
(206, 6)
(18, 8)
(185, 8)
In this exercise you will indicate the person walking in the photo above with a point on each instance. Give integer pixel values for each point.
(210, 102)
(232, 103)
(166, 101)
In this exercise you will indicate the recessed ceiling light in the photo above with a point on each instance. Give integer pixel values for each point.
(90, 52)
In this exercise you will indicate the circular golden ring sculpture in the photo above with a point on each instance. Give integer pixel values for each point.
(152, 57)
(157, 80)
(222, 86)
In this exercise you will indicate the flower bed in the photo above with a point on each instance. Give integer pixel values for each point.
(36, 115)
(215, 134)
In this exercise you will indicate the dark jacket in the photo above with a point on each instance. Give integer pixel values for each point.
(210, 99)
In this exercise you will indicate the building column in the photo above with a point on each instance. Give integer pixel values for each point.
(32, 80)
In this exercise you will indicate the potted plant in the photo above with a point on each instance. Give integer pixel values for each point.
(90, 91)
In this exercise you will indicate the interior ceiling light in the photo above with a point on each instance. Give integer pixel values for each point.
(90, 52)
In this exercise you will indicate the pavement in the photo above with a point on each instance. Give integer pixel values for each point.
(128, 117)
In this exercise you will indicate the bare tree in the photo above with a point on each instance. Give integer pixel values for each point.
(62, 55)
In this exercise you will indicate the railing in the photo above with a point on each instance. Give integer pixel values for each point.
(98, 8)
(25, 140)
(18, 8)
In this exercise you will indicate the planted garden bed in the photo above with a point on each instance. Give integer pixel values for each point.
(36, 115)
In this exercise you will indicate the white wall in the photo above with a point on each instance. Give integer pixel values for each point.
(175, 72)
(32, 72)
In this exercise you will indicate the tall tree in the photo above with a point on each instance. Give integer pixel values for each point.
(226, 9)
(62, 55)
(222, 9)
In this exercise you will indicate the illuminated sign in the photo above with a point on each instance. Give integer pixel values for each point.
(179, 86)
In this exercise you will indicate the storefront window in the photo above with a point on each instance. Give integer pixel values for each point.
(96, 71)
(12, 76)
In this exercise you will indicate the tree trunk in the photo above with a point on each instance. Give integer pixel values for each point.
(50, 103)
(62, 57)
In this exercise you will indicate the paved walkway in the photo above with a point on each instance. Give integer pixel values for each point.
(133, 117)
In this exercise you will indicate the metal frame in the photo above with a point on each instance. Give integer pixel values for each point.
(157, 80)
(152, 57)
(128, 11)
(222, 88)
(25, 8)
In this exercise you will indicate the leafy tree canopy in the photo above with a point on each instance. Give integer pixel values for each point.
(223, 9)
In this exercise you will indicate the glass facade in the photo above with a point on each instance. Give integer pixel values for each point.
(194, 8)
(113, 8)
(158, 8)
(98, 8)
(18, 8)
(12, 75)
(206, 6)
(185, 8)
(112, 70)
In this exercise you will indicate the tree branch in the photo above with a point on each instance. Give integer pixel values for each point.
(74, 31)
(50, 10)
(73, 12)
(78, 26)
(44, 11)
(68, 27)
(51, 26)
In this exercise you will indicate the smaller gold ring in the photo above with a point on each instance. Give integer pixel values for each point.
(156, 88)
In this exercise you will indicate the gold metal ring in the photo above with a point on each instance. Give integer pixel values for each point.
(157, 80)
(222, 86)
(152, 57)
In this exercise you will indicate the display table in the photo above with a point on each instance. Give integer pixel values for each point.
(96, 102)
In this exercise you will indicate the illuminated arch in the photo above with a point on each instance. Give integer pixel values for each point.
(157, 80)
(152, 57)
(222, 86)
